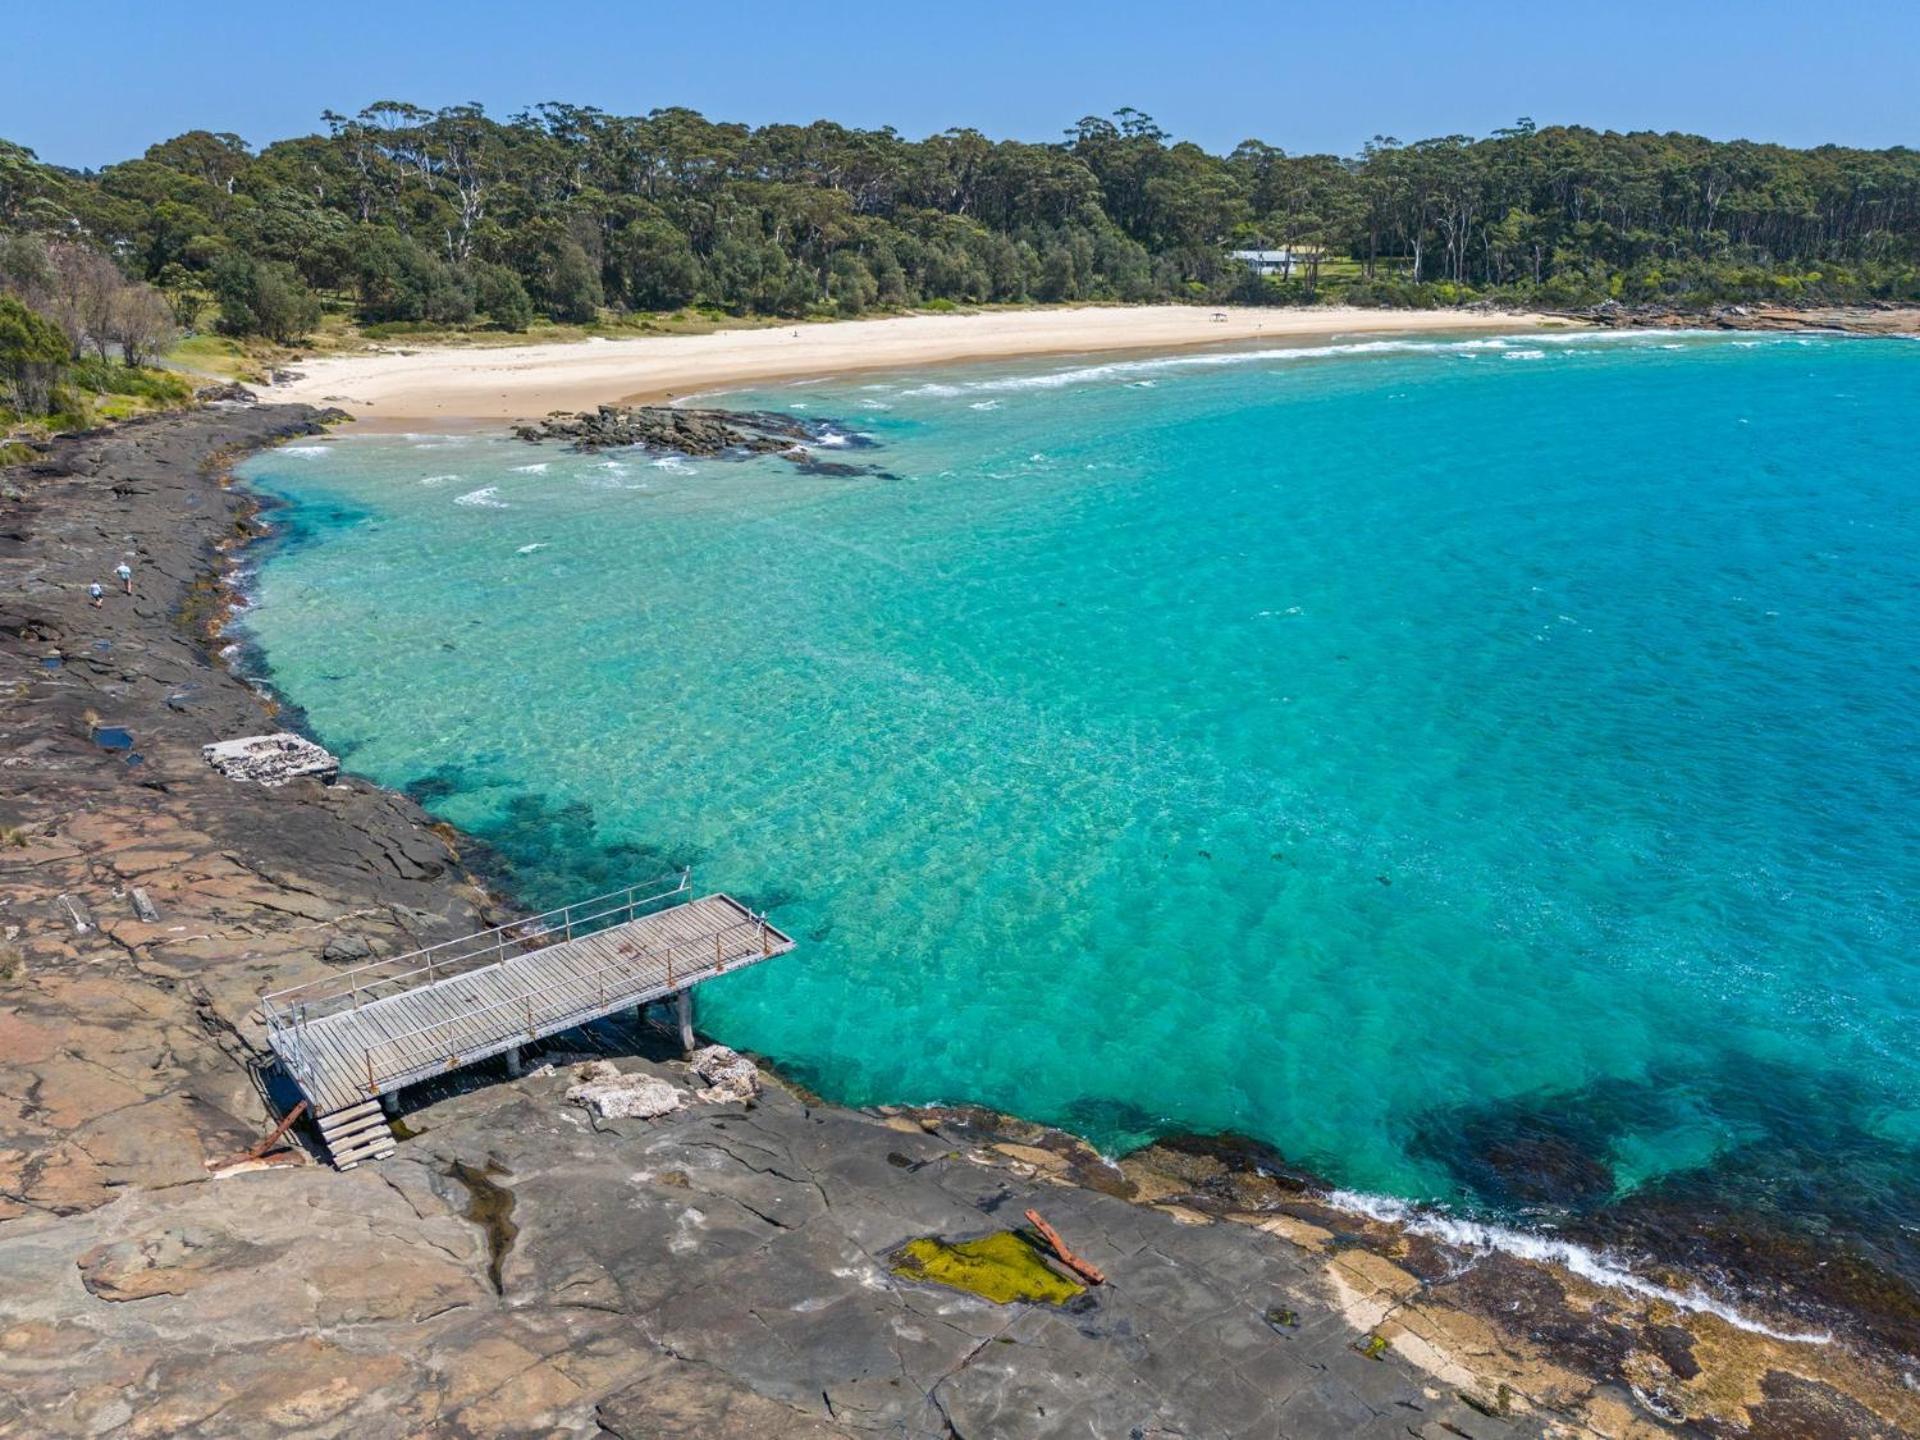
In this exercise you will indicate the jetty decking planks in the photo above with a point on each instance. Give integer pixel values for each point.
(345, 1058)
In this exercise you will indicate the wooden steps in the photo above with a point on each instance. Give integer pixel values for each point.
(358, 1132)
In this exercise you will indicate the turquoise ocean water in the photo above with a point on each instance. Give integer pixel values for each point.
(1485, 770)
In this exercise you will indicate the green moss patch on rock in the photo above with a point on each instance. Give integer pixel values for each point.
(1001, 1267)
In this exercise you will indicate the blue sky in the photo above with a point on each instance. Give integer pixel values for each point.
(101, 81)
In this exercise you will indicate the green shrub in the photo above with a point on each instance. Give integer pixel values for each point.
(33, 356)
(263, 297)
(501, 297)
(109, 377)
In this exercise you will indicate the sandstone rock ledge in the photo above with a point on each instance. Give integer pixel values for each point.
(523, 1267)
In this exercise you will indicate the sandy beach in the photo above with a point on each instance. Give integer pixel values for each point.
(398, 389)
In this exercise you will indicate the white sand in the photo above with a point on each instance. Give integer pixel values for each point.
(397, 390)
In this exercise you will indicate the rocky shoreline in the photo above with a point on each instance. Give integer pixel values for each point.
(521, 1267)
(1885, 318)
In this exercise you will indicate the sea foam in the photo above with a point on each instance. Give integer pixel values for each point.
(1122, 370)
(1588, 1264)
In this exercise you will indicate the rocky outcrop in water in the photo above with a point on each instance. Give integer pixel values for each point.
(662, 427)
(703, 434)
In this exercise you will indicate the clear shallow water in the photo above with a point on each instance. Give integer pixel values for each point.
(1484, 770)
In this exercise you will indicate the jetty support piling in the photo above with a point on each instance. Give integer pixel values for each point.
(683, 1012)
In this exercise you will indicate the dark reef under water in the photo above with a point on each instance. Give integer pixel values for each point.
(1809, 1211)
(1798, 1185)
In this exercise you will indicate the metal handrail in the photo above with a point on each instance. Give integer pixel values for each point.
(281, 1010)
(757, 923)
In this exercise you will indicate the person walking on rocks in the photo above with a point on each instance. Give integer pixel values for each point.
(95, 595)
(125, 572)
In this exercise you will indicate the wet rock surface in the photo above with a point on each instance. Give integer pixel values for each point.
(524, 1267)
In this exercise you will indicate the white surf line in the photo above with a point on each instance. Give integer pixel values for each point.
(1589, 1265)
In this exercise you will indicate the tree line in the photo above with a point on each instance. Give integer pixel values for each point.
(66, 306)
(408, 216)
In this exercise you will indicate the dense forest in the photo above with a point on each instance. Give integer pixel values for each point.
(400, 216)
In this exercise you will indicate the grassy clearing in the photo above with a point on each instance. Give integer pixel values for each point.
(218, 357)
(94, 392)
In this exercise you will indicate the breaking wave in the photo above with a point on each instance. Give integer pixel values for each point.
(1590, 1265)
(1519, 345)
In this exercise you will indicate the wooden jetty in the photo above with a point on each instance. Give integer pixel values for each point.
(354, 1037)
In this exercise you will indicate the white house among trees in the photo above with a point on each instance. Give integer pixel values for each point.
(1270, 262)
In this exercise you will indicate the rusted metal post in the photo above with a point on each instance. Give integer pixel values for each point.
(372, 1089)
(286, 1124)
(1086, 1270)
